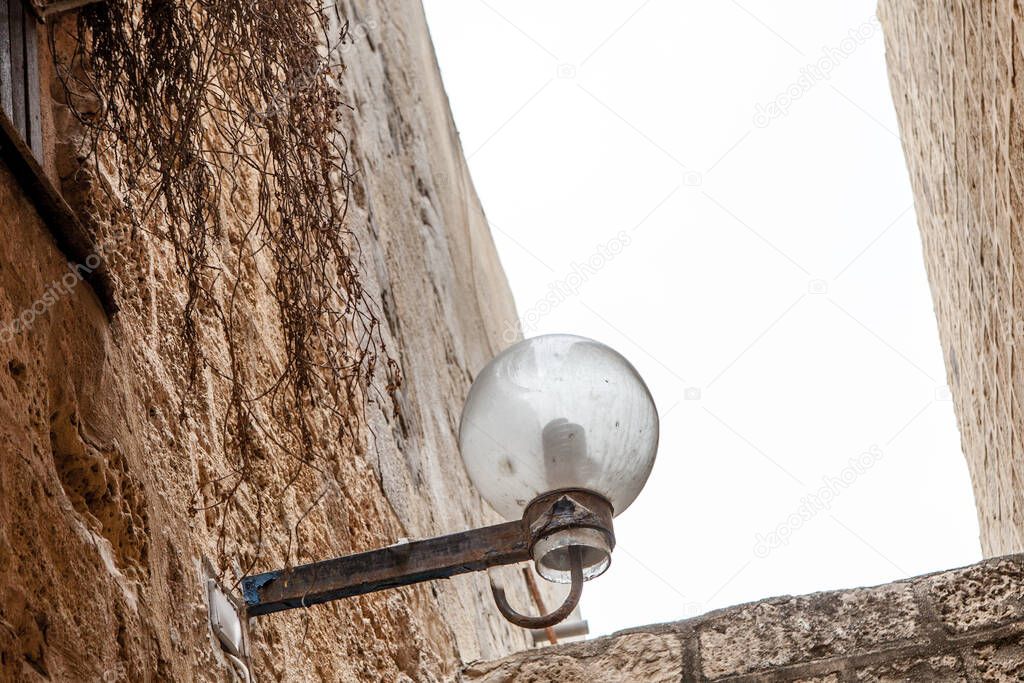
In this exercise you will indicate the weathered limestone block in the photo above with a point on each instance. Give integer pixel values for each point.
(954, 70)
(980, 597)
(786, 631)
(940, 669)
(956, 626)
(649, 657)
(1002, 661)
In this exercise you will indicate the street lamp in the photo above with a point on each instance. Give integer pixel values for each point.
(559, 435)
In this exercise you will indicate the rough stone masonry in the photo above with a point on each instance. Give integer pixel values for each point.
(955, 70)
(965, 625)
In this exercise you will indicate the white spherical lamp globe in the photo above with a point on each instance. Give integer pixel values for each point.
(558, 412)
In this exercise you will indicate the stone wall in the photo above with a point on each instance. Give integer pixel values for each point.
(950, 627)
(955, 71)
(101, 557)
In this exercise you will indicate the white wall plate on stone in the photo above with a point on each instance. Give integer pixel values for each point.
(226, 619)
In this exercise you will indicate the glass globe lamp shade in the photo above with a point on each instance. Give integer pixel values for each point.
(559, 412)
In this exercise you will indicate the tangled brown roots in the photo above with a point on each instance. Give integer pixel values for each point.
(196, 104)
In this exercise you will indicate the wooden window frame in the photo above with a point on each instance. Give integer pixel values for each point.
(21, 136)
(20, 90)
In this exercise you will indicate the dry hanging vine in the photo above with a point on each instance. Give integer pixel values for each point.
(197, 104)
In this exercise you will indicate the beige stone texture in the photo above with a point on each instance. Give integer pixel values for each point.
(941, 669)
(101, 561)
(983, 596)
(954, 69)
(648, 657)
(1001, 662)
(913, 631)
(787, 631)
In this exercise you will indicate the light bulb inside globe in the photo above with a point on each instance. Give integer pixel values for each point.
(560, 417)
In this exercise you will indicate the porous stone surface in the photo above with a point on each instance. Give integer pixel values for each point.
(954, 70)
(921, 630)
(786, 631)
(1001, 661)
(939, 669)
(649, 657)
(983, 596)
(101, 559)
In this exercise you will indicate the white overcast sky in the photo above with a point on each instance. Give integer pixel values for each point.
(769, 282)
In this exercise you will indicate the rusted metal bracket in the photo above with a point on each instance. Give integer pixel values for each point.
(546, 620)
(439, 558)
(397, 565)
